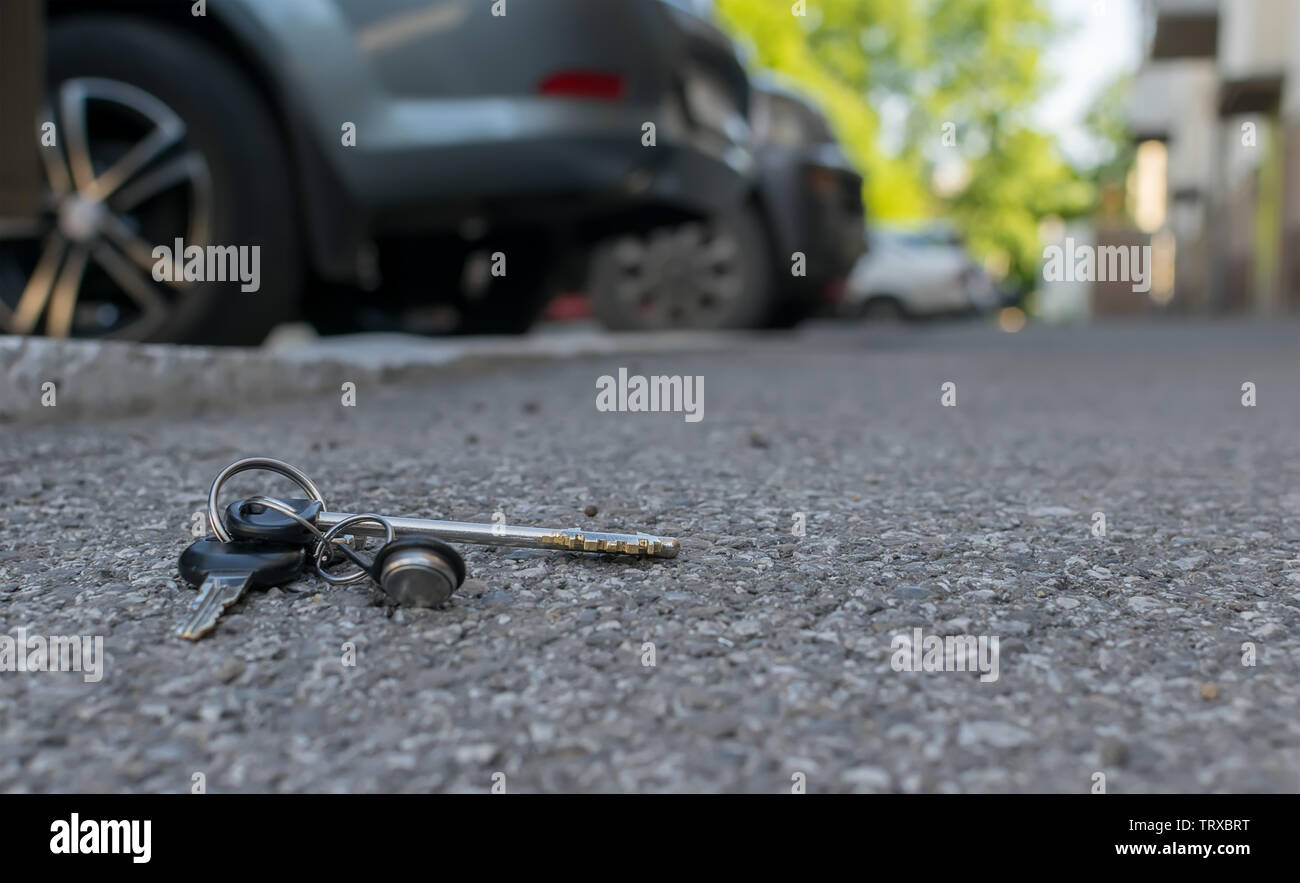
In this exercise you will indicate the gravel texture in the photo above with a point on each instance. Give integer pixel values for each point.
(1119, 654)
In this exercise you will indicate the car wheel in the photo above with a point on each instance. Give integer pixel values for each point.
(883, 309)
(711, 274)
(155, 138)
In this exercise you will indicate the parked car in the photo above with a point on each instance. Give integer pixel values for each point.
(415, 162)
(737, 270)
(803, 204)
(913, 274)
(813, 197)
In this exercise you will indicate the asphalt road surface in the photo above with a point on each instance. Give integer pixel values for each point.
(773, 654)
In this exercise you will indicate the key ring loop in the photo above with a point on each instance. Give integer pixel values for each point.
(326, 538)
(289, 471)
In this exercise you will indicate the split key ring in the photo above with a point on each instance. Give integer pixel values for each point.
(267, 464)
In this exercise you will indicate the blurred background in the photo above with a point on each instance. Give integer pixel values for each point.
(1170, 123)
(470, 166)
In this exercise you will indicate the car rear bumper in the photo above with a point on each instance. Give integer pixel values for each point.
(535, 156)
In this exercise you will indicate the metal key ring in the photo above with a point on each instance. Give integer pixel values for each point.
(323, 544)
(289, 471)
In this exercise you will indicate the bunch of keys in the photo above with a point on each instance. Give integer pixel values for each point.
(264, 541)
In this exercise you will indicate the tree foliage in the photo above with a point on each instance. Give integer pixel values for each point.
(895, 76)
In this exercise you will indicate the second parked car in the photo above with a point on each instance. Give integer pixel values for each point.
(915, 274)
(780, 254)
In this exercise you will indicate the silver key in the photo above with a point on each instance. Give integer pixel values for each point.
(224, 571)
(572, 539)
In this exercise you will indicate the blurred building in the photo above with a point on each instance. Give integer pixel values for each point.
(1216, 112)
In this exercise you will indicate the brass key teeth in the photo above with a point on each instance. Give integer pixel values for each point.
(640, 545)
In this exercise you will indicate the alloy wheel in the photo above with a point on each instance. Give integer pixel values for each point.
(681, 277)
(120, 179)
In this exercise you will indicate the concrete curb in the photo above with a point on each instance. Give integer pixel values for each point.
(108, 379)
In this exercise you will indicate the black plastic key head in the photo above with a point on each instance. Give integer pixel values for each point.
(249, 520)
(265, 564)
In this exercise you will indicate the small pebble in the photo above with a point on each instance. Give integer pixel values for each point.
(473, 588)
(230, 670)
(1114, 753)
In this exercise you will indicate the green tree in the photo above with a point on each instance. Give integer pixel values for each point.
(913, 87)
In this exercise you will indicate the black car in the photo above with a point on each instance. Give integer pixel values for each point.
(814, 195)
(781, 253)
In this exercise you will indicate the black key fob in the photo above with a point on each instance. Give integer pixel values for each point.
(264, 564)
(253, 521)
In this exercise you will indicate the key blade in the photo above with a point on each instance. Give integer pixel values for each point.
(218, 591)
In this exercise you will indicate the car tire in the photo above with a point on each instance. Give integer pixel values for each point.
(713, 274)
(126, 79)
(883, 309)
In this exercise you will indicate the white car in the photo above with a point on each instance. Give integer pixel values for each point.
(917, 275)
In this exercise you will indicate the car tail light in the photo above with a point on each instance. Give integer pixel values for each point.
(601, 85)
(568, 306)
(834, 292)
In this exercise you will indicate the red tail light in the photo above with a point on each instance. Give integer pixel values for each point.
(834, 291)
(822, 181)
(584, 84)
